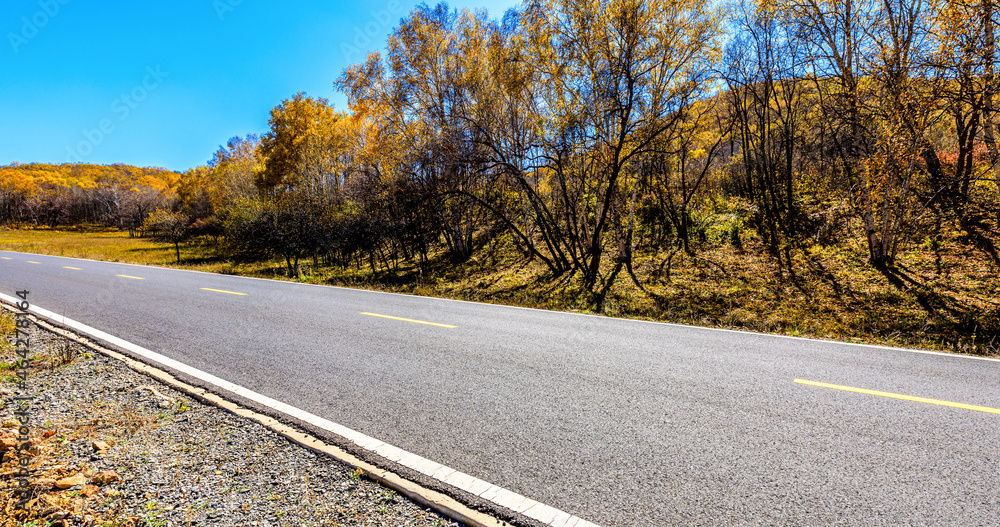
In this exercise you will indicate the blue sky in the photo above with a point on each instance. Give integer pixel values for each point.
(165, 83)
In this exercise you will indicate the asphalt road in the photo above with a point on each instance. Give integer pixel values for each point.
(623, 423)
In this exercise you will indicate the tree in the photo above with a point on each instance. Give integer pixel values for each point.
(963, 59)
(291, 226)
(765, 79)
(617, 77)
(232, 170)
(299, 181)
(418, 104)
(868, 69)
(137, 205)
(300, 148)
(168, 226)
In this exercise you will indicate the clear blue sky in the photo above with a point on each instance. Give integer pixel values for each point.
(165, 83)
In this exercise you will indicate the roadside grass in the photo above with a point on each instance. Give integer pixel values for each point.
(7, 326)
(834, 294)
(95, 243)
(112, 245)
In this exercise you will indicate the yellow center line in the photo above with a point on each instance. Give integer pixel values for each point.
(39, 263)
(132, 277)
(410, 320)
(5, 258)
(73, 268)
(221, 291)
(900, 396)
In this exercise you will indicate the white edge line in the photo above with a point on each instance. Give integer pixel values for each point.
(550, 311)
(412, 461)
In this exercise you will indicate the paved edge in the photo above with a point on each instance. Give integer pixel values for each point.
(645, 321)
(513, 507)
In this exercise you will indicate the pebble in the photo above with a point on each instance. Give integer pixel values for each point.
(72, 481)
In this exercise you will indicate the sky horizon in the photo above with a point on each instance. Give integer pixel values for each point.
(167, 85)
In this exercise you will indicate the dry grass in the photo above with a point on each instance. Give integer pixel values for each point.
(95, 243)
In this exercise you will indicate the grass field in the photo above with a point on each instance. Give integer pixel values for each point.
(112, 245)
(951, 304)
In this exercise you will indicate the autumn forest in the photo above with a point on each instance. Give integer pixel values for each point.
(816, 167)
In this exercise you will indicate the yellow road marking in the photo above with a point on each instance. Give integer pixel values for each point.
(899, 396)
(30, 261)
(221, 291)
(410, 320)
(5, 258)
(132, 277)
(73, 268)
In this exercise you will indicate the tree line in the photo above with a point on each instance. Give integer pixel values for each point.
(589, 135)
(119, 196)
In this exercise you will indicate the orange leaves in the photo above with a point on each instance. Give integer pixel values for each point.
(302, 140)
(27, 179)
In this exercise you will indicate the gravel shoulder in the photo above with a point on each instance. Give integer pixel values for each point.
(113, 447)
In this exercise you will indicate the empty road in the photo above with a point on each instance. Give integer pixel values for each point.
(623, 423)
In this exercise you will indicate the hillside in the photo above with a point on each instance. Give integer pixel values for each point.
(115, 195)
(38, 177)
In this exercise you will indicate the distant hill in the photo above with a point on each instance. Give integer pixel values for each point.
(27, 179)
(77, 193)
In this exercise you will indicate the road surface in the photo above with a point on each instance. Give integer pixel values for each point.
(620, 422)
